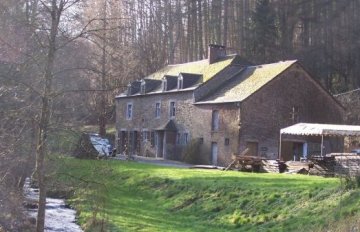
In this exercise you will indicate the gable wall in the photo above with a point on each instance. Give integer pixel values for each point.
(267, 111)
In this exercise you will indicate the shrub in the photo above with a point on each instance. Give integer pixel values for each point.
(191, 153)
(352, 182)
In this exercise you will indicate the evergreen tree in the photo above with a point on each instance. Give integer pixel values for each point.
(264, 32)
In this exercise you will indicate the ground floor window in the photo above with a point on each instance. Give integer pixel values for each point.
(186, 138)
(145, 136)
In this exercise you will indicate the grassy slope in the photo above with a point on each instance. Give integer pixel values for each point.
(141, 197)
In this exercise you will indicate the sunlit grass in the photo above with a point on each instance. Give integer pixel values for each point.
(141, 197)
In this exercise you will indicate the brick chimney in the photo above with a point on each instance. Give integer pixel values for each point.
(216, 52)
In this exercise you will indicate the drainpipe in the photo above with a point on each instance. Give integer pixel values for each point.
(280, 147)
(239, 126)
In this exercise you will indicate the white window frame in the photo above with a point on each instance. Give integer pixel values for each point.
(172, 110)
(157, 110)
(129, 115)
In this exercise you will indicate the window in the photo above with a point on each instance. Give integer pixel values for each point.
(164, 85)
(201, 140)
(172, 109)
(145, 136)
(227, 141)
(157, 109)
(186, 138)
(180, 82)
(215, 120)
(142, 87)
(129, 111)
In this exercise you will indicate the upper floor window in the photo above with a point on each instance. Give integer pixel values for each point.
(215, 120)
(142, 87)
(227, 142)
(172, 109)
(129, 111)
(157, 109)
(180, 83)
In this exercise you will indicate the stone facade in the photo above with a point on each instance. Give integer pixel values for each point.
(195, 121)
(234, 109)
(290, 98)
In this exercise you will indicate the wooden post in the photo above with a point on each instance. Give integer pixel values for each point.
(322, 144)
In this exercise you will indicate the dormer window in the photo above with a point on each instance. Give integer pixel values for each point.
(129, 89)
(142, 87)
(180, 83)
(164, 85)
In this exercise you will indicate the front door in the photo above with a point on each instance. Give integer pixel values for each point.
(159, 141)
(253, 148)
(214, 153)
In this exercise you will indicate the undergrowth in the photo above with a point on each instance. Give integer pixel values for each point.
(141, 197)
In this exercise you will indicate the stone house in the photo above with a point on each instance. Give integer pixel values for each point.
(224, 103)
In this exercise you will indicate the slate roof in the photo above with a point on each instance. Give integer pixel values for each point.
(150, 84)
(190, 79)
(135, 87)
(171, 82)
(168, 126)
(247, 82)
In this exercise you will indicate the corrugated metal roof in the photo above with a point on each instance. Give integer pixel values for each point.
(321, 129)
(248, 81)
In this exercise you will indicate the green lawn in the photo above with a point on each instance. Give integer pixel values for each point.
(139, 197)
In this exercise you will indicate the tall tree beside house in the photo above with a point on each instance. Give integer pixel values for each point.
(264, 32)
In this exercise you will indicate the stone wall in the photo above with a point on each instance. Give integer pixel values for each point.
(192, 119)
(290, 98)
(347, 164)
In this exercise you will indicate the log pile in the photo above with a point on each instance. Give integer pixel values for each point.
(245, 162)
(271, 166)
(298, 167)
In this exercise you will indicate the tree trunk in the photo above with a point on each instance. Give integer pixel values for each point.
(45, 115)
(103, 103)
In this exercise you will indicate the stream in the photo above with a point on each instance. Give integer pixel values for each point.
(58, 216)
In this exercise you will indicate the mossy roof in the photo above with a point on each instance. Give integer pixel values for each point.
(201, 67)
(250, 80)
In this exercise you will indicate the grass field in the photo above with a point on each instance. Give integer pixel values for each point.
(130, 196)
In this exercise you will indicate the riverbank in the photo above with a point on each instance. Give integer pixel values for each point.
(58, 216)
(129, 196)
